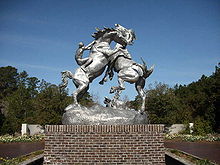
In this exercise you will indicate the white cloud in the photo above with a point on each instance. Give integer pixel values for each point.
(30, 41)
(32, 66)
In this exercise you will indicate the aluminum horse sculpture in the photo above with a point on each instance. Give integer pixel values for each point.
(128, 71)
(99, 55)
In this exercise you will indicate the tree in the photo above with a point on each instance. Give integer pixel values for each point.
(87, 100)
(202, 97)
(49, 105)
(27, 100)
(164, 107)
(8, 81)
(216, 96)
(197, 102)
(8, 84)
(17, 110)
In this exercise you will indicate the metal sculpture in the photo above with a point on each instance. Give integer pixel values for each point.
(128, 71)
(98, 59)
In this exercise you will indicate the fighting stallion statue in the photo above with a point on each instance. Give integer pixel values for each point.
(128, 71)
(118, 60)
(100, 52)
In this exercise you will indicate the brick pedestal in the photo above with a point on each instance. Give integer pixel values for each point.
(104, 144)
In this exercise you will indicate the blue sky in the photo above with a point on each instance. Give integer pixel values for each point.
(181, 37)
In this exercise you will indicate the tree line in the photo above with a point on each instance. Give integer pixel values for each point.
(25, 99)
(197, 102)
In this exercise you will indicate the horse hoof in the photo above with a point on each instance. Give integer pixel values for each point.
(101, 82)
(112, 91)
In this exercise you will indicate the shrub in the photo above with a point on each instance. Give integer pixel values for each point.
(203, 162)
(25, 138)
(201, 126)
(193, 138)
(18, 160)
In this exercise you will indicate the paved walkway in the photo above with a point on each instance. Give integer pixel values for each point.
(12, 150)
(205, 150)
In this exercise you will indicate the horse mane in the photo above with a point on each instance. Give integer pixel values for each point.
(101, 32)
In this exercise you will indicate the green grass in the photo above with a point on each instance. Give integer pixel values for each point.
(190, 158)
(17, 160)
(203, 162)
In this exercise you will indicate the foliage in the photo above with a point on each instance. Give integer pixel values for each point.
(87, 100)
(201, 126)
(18, 160)
(8, 81)
(192, 138)
(25, 99)
(163, 106)
(25, 138)
(203, 162)
(197, 102)
(190, 158)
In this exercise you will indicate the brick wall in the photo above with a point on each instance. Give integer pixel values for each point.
(104, 144)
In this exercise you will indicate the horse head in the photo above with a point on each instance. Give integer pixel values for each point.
(127, 35)
(121, 35)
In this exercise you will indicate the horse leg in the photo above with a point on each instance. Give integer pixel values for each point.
(105, 76)
(64, 83)
(81, 88)
(80, 95)
(121, 83)
(65, 76)
(109, 72)
(126, 74)
(139, 85)
(118, 88)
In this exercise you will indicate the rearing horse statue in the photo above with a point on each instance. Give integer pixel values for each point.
(100, 52)
(128, 71)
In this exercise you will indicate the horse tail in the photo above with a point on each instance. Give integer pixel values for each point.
(65, 76)
(149, 72)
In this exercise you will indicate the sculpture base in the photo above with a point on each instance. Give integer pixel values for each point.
(99, 115)
(104, 144)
